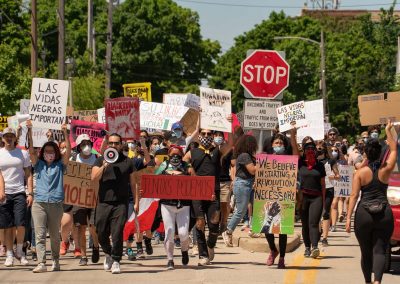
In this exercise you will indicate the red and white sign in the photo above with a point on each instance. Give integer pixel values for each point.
(264, 74)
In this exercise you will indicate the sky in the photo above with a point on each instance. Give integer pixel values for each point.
(223, 20)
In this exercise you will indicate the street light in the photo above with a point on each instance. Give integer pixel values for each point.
(321, 45)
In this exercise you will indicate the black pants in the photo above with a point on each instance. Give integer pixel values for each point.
(311, 211)
(282, 243)
(373, 233)
(329, 195)
(211, 210)
(110, 220)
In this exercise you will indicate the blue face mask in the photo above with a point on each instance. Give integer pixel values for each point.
(178, 133)
(218, 140)
(279, 150)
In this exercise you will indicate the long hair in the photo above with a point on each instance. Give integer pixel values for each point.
(373, 150)
(56, 151)
(246, 144)
(267, 145)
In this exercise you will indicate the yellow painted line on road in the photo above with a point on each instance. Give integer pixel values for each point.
(291, 274)
(310, 276)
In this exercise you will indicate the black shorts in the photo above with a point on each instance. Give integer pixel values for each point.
(81, 215)
(67, 208)
(13, 212)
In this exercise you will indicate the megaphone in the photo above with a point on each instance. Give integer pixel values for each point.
(111, 155)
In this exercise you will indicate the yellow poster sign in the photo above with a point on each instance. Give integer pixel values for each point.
(138, 90)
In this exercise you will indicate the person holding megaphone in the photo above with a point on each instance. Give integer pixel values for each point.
(114, 172)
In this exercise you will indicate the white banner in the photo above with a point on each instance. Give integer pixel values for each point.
(39, 136)
(187, 100)
(160, 116)
(260, 114)
(315, 121)
(48, 104)
(215, 109)
(344, 185)
(101, 115)
(291, 115)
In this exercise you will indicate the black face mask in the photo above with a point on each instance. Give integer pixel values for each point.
(175, 160)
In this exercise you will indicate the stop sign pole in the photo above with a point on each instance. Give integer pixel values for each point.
(264, 74)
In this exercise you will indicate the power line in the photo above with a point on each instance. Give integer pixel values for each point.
(273, 6)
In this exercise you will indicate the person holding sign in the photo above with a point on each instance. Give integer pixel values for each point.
(373, 223)
(47, 208)
(175, 210)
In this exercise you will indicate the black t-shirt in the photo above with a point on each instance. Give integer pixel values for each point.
(242, 160)
(207, 164)
(114, 184)
(311, 179)
(225, 167)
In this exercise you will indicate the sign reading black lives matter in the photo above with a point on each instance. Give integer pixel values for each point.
(48, 106)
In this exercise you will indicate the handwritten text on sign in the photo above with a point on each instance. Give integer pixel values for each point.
(291, 115)
(343, 186)
(260, 114)
(178, 187)
(78, 188)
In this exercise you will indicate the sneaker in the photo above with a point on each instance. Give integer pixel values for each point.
(333, 228)
(341, 218)
(211, 253)
(177, 243)
(315, 252)
(140, 254)
(9, 261)
(227, 239)
(195, 250)
(149, 248)
(23, 260)
(2, 250)
(34, 256)
(131, 254)
(83, 261)
(56, 265)
(324, 242)
(271, 258)
(116, 268)
(64, 248)
(107, 263)
(307, 252)
(281, 263)
(170, 265)
(185, 258)
(95, 254)
(41, 267)
(204, 261)
(77, 253)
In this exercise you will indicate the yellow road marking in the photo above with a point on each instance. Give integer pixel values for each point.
(310, 276)
(291, 274)
(307, 276)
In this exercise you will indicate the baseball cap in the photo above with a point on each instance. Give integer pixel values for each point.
(9, 130)
(81, 138)
(176, 125)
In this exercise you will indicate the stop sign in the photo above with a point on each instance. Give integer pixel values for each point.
(264, 74)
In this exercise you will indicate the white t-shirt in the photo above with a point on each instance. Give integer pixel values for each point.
(12, 164)
(89, 161)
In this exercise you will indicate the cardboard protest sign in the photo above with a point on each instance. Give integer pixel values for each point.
(24, 106)
(189, 121)
(160, 116)
(84, 113)
(178, 187)
(260, 114)
(291, 115)
(3, 122)
(79, 190)
(142, 91)
(39, 136)
(122, 116)
(315, 121)
(48, 105)
(343, 186)
(215, 108)
(275, 194)
(92, 129)
(378, 108)
(101, 115)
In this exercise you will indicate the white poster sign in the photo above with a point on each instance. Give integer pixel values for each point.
(39, 137)
(216, 106)
(260, 114)
(187, 100)
(291, 115)
(24, 106)
(344, 184)
(48, 105)
(192, 101)
(101, 115)
(315, 121)
(16, 120)
(160, 116)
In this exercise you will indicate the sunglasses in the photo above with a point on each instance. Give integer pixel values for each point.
(114, 143)
(206, 134)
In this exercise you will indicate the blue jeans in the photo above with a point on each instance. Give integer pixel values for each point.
(242, 189)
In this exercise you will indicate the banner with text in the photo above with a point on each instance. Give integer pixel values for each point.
(122, 116)
(187, 100)
(101, 115)
(315, 121)
(292, 115)
(275, 194)
(260, 114)
(48, 104)
(216, 106)
(142, 91)
(160, 116)
(343, 186)
(178, 187)
(92, 129)
(79, 190)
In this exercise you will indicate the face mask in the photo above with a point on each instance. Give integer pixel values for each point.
(125, 153)
(365, 140)
(335, 154)
(131, 146)
(63, 151)
(218, 140)
(175, 160)
(156, 148)
(279, 150)
(374, 135)
(49, 157)
(178, 133)
(206, 141)
(87, 150)
(310, 158)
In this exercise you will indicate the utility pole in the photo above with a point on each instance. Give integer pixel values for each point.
(323, 77)
(61, 39)
(34, 46)
(94, 46)
(109, 48)
(90, 27)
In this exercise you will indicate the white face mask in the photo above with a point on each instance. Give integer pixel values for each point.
(131, 146)
(87, 150)
(374, 135)
(63, 151)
